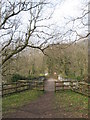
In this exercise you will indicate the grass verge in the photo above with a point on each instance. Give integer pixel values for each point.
(71, 102)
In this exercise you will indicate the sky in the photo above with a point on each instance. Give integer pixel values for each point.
(64, 10)
(67, 10)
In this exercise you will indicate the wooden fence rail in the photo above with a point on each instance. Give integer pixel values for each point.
(76, 86)
(20, 86)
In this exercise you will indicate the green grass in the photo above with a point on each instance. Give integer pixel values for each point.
(19, 99)
(72, 102)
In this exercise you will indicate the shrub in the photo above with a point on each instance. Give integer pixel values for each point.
(80, 78)
(17, 77)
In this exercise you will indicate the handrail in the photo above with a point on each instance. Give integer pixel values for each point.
(80, 87)
(19, 86)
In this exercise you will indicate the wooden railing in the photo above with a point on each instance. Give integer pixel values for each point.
(77, 86)
(20, 86)
(83, 88)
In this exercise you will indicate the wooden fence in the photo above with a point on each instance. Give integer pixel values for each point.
(77, 86)
(20, 86)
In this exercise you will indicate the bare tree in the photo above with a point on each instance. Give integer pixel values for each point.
(80, 24)
(35, 32)
(74, 29)
(17, 35)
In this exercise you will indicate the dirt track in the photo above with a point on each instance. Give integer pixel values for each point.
(43, 107)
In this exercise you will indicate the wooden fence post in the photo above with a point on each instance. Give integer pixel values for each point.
(55, 86)
(35, 84)
(71, 85)
(89, 90)
(43, 85)
(63, 85)
(2, 90)
(29, 84)
(16, 88)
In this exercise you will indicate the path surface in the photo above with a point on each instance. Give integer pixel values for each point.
(50, 85)
(43, 107)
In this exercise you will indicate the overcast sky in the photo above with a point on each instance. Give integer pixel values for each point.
(64, 10)
(67, 10)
